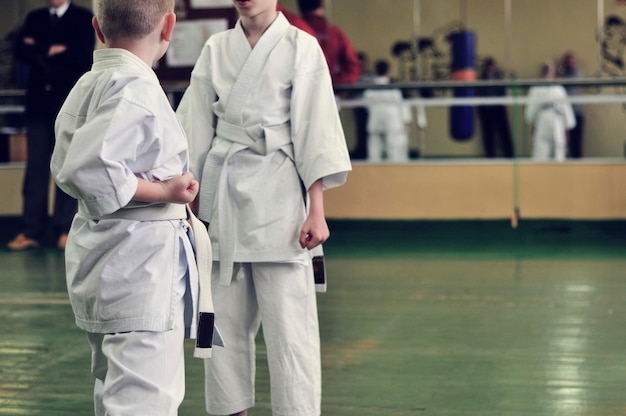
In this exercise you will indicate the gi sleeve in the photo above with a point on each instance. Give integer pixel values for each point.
(405, 110)
(96, 161)
(320, 148)
(195, 112)
(531, 109)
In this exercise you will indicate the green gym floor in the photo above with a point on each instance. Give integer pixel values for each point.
(421, 318)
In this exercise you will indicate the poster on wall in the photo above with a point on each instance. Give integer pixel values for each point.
(188, 39)
(196, 21)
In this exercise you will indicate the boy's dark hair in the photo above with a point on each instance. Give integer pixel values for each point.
(614, 20)
(488, 62)
(400, 47)
(307, 6)
(382, 67)
(546, 68)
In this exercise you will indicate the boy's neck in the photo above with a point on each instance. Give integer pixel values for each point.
(255, 26)
(135, 47)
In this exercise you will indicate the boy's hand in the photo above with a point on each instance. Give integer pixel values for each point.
(56, 49)
(180, 189)
(314, 232)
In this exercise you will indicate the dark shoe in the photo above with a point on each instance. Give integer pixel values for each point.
(21, 243)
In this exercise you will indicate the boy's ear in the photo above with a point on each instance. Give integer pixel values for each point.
(168, 26)
(96, 26)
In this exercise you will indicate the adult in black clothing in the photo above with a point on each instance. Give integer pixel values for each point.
(569, 69)
(359, 151)
(494, 119)
(56, 43)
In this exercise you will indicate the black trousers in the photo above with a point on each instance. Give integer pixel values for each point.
(494, 122)
(575, 143)
(360, 148)
(36, 186)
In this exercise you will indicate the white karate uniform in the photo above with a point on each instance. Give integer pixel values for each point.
(386, 124)
(129, 280)
(263, 126)
(552, 116)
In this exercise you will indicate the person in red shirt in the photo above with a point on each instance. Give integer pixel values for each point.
(295, 19)
(340, 54)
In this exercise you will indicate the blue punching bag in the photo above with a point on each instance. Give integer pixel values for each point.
(462, 67)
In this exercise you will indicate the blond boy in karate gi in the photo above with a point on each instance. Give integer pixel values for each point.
(131, 271)
(551, 117)
(388, 121)
(265, 141)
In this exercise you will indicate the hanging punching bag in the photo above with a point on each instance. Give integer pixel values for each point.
(462, 67)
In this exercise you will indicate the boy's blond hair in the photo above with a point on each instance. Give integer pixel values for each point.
(131, 19)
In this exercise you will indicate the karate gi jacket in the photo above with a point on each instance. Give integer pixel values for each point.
(387, 114)
(262, 126)
(552, 115)
(117, 125)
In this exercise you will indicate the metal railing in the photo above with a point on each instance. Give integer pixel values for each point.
(593, 90)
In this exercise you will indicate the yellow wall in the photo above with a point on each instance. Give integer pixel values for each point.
(481, 190)
(11, 177)
(442, 190)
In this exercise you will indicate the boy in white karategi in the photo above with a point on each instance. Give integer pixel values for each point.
(388, 120)
(265, 140)
(551, 117)
(131, 272)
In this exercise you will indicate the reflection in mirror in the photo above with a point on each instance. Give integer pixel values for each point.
(417, 37)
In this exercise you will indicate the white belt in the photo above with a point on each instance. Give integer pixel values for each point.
(259, 139)
(154, 212)
(207, 333)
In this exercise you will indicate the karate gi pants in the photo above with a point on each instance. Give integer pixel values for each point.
(394, 145)
(141, 372)
(549, 140)
(281, 297)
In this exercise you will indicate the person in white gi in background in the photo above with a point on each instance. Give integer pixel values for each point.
(265, 141)
(131, 273)
(550, 116)
(388, 120)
